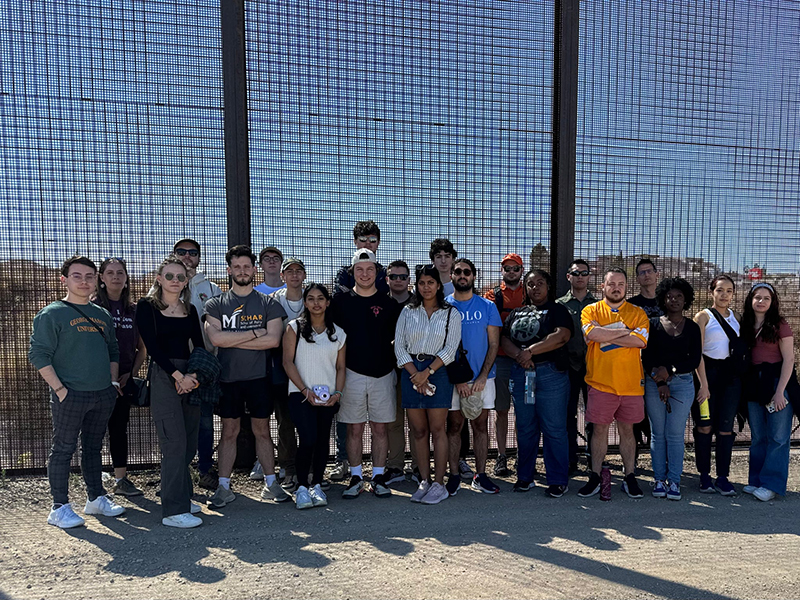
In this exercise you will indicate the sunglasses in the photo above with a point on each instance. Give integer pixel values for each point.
(460, 271)
(396, 276)
(185, 251)
(170, 276)
(579, 273)
(423, 269)
(371, 239)
(516, 269)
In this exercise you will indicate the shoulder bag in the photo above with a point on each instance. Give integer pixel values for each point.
(738, 352)
(459, 370)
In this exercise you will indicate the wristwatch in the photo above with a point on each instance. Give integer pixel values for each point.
(431, 371)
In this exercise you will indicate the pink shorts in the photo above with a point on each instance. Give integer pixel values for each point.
(604, 408)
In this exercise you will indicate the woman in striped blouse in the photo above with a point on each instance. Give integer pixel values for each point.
(427, 336)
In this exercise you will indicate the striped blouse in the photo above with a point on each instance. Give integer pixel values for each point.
(417, 334)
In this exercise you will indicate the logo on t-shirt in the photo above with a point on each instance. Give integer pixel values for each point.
(526, 328)
(376, 310)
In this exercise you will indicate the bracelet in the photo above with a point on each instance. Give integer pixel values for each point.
(58, 389)
(662, 384)
(337, 392)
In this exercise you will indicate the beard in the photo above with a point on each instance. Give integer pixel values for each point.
(462, 287)
(243, 280)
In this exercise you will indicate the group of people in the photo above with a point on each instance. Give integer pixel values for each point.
(382, 351)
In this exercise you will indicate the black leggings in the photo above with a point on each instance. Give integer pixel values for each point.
(118, 433)
(313, 425)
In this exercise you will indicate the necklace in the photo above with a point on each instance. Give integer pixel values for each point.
(318, 331)
(173, 309)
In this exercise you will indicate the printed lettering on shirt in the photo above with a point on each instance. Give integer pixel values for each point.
(467, 316)
(239, 321)
(77, 324)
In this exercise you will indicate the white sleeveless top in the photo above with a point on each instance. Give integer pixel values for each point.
(716, 344)
(317, 362)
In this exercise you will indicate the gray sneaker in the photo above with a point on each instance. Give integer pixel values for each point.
(340, 471)
(274, 492)
(318, 497)
(222, 498)
(354, 488)
(436, 494)
(125, 487)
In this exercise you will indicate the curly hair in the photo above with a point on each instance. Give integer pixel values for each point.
(674, 283)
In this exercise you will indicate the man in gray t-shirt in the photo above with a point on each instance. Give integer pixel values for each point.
(244, 325)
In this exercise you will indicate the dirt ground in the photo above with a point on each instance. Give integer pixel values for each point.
(470, 546)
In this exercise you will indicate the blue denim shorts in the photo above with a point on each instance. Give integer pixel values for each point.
(444, 389)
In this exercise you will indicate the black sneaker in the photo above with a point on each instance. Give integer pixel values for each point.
(453, 483)
(379, 486)
(631, 487)
(592, 486)
(392, 475)
(556, 491)
(522, 486)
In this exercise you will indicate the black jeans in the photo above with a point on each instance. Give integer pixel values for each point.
(118, 433)
(577, 386)
(313, 425)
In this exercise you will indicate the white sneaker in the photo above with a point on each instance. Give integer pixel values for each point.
(182, 521)
(302, 499)
(318, 497)
(749, 489)
(421, 491)
(340, 471)
(103, 505)
(257, 473)
(64, 517)
(195, 508)
(764, 494)
(436, 494)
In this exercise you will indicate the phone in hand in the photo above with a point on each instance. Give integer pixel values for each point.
(771, 407)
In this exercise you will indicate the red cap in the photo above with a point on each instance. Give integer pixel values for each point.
(515, 258)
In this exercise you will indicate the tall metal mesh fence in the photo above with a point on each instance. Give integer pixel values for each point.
(687, 148)
(111, 145)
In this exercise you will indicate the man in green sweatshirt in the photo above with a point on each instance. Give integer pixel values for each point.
(74, 347)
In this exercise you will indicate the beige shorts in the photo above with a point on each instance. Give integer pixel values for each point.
(367, 398)
(488, 395)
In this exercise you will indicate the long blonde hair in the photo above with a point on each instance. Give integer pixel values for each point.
(155, 295)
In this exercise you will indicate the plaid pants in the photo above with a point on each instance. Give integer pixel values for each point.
(85, 414)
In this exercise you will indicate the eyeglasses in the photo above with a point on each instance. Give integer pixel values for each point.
(89, 277)
(466, 272)
(584, 273)
(372, 239)
(185, 251)
(396, 276)
(170, 276)
(645, 272)
(271, 259)
(515, 269)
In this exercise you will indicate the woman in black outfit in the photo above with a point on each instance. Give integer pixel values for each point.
(168, 323)
(673, 353)
(114, 294)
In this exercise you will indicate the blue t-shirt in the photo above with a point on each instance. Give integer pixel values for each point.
(477, 314)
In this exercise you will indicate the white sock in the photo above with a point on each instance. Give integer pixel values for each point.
(269, 479)
(377, 471)
(225, 482)
(355, 471)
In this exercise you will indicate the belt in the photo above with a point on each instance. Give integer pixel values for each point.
(423, 357)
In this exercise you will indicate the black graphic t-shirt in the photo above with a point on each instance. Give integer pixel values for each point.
(369, 323)
(530, 324)
(648, 305)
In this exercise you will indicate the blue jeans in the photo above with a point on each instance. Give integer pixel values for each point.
(548, 415)
(769, 447)
(205, 440)
(667, 429)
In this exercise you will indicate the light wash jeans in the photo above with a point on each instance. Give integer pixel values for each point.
(548, 415)
(769, 447)
(667, 429)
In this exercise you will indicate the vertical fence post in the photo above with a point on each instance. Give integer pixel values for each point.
(565, 125)
(237, 158)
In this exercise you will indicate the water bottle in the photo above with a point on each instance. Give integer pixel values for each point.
(605, 484)
(530, 387)
(705, 414)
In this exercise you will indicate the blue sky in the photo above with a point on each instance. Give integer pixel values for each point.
(431, 118)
